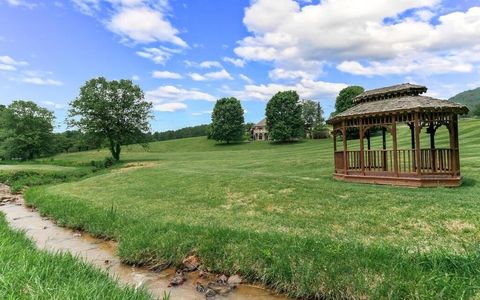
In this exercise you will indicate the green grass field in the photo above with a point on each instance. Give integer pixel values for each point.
(274, 214)
(27, 273)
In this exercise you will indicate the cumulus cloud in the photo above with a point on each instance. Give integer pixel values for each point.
(7, 63)
(137, 21)
(218, 75)
(143, 24)
(42, 81)
(210, 64)
(24, 3)
(166, 75)
(170, 93)
(237, 62)
(245, 78)
(348, 32)
(306, 88)
(170, 107)
(158, 55)
(203, 112)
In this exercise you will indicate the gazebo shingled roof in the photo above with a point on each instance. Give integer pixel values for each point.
(390, 91)
(400, 104)
(417, 164)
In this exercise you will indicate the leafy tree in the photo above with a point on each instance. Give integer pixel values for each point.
(345, 98)
(227, 120)
(476, 111)
(313, 115)
(284, 117)
(26, 130)
(112, 110)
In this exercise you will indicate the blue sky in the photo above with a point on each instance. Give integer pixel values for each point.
(186, 54)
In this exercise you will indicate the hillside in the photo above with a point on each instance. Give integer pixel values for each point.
(470, 98)
(273, 214)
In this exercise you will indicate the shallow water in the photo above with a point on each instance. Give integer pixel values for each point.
(47, 235)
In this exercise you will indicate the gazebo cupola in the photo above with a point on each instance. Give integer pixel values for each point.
(410, 161)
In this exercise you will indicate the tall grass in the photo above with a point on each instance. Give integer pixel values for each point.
(27, 273)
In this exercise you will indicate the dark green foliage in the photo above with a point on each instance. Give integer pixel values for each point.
(345, 98)
(17, 180)
(26, 131)
(469, 98)
(227, 120)
(476, 110)
(74, 141)
(284, 117)
(314, 122)
(193, 131)
(112, 110)
(107, 162)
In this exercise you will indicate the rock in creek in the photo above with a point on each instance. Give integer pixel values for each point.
(234, 280)
(222, 279)
(220, 288)
(178, 279)
(190, 263)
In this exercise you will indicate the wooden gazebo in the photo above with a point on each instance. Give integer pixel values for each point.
(380, 112)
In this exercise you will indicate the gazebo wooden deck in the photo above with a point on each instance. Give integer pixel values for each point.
(379, 111)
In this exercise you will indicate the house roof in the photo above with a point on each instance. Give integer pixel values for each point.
(399, 90)
(262, 123)
(400, 104)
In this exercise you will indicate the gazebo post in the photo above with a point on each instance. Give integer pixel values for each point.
(395, 146)
(362, 157)
(344, 135)
(417, 145)
(432, 146)
(412, 136)
(454, 144)
(384, 147)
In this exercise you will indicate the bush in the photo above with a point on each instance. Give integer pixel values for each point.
(106, 163)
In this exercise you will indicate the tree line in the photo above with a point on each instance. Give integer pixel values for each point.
(115, 113)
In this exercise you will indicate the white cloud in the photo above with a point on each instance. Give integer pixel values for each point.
(135, 78)
(218, 75)
(237, 62)
(197, 77)
(203, 112)
(279, 73)
(170, 107)
(53, 105)
(170, 93)
(306, 88)
(203, 65)
(157, 55)
(7, 60)
(292, 36)
(4, 67)
(41, 81)
(23, 3)
(166, 75)
(210, 64)
(246, 78)
(143, 24)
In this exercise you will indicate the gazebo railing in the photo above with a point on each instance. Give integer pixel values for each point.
(432, 161)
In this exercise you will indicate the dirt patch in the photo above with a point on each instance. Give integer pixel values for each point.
(134, 166)
(458, 226)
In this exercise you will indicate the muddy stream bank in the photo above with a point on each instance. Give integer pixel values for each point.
(48, 236)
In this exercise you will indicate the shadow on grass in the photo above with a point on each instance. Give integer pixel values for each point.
(468, 182)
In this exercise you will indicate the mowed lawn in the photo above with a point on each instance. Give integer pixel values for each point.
(274, 214)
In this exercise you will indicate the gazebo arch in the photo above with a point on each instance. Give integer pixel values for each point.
(409, 164)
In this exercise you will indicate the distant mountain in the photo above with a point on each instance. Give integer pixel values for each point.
(469, 98)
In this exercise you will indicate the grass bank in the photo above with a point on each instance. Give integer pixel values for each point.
(27, 273)
(274, 214)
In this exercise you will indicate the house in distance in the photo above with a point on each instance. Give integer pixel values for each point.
(259, 131)
(415, 161)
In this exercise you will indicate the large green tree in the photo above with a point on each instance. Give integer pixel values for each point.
(113, 110)
(345, 98)
(26, 130)
(227, 121)
(284, 117)
(313, 115)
